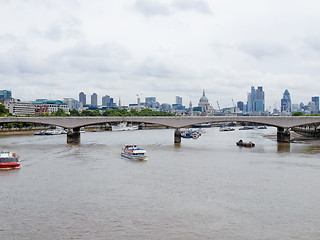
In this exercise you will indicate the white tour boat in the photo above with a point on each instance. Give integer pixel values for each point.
(134, 152)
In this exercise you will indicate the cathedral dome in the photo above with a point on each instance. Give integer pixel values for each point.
(204, 99)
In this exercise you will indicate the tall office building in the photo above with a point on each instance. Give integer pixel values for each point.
(82, 98)
(94, 100)
(316, 101)
(178, 100)
(259, 100)
(73, 104)
(255, 100)
(150, 102)
(106, 100)
(286, 102)
(150, 99)
(240, 105)
(5, 94)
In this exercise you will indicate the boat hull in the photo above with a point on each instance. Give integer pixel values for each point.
(133, 157)
(7, 166)
(244, 144)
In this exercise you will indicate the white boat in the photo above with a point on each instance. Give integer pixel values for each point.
(124, 127)
(226, 129)
(134, 152)
(53, 132)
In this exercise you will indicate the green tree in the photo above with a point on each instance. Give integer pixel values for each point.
(3, 111)
(59, 113)
(74, 112)
(298, 114)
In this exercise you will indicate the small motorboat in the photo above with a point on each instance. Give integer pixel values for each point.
(246, 128)
(189, 133)
(42, 132)
(9, 160)
(241, 143)
(226, 129)
(134, 152)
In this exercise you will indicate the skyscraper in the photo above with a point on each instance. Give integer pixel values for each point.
(106, 100)
(82, 98)
(94, 100)
(5, 94)
(150, 102)
(255, 100)
(178, 100)
(259, 100)
(286, 102)
(240, 105)
(316, 101)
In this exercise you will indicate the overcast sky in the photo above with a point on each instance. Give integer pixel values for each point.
(58, 48)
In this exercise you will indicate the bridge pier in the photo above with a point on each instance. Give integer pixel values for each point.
(73, 136)
(283, 134)
(177, 136)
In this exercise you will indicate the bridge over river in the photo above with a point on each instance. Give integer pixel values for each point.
(283, 123)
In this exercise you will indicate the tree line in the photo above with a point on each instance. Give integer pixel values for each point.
(4, 112)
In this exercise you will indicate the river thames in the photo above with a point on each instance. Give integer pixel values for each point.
(203, 189)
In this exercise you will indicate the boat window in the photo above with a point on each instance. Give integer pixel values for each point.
(8, 160)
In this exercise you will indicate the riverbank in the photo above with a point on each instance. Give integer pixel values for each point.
(5, 133)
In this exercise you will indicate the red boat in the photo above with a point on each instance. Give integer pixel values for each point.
(9, 160)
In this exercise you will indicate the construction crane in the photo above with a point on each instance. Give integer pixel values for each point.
(218, 106)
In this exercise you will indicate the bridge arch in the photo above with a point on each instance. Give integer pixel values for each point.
(282, 123)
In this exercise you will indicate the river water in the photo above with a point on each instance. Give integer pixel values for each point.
(203, 189)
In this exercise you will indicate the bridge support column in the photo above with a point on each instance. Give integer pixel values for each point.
(73, 136)
(283, 134)
(177, 136)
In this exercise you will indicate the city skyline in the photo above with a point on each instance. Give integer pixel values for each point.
(163, 49)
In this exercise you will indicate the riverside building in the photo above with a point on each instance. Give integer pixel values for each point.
(18, 108)
(43, 106)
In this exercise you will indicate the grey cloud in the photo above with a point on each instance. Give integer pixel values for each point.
(54, 33)
(151, 67)
(152, 7)
(8, 38)
(57, 32)
(312, 43)
(91, 58)
(22, 60)
(260, 51)
(196, 5)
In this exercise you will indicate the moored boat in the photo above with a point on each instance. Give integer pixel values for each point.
(42, 132)
(9, 160)
(53, 132)
(202, 125)
(226, 129)
(134, 152)
(246, 128)
(245, 144)
(124, 127)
